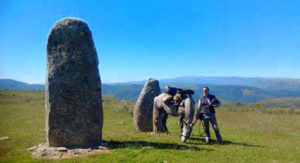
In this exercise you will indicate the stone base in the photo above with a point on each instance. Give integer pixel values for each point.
(44, 151)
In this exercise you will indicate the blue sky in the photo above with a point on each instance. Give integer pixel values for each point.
(136, 40)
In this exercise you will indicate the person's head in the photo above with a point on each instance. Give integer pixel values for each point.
(177, 96)
(205, 91)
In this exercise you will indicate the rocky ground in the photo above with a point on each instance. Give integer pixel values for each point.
(44, 151)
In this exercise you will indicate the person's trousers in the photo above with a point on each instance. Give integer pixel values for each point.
(212, 119)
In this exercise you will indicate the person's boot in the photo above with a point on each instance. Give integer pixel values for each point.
(207, 139)
(219, 139)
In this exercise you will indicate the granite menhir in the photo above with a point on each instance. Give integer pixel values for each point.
(143, 109)
(73, 100)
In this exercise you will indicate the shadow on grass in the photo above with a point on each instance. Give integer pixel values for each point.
(225, 142)
(143, 144)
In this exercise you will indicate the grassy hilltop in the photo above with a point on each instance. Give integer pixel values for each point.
(250, 134)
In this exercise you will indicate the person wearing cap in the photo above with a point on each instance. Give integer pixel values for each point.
(206, 111)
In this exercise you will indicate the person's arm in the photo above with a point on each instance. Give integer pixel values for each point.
(199, 115)
(199, 104)
(217, 103)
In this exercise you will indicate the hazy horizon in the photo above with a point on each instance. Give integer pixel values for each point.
(103, 82)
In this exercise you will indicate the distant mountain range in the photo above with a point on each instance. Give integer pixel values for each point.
(8, 84)
(262, 83)
(228, 88)
(226, 92)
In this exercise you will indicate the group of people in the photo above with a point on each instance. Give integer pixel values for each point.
(173, 103)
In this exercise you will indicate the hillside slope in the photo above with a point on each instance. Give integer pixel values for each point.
(249, 136)
(131, 91)
(8, 84)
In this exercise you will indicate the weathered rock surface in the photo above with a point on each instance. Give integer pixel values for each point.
(143, 109)
(73, 99)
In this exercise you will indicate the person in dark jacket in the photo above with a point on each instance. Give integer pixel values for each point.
(206, 112)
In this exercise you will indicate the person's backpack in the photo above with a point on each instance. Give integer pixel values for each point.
(170, 90)
(173, 90)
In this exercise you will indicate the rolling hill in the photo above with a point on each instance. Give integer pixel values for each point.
(8, 84)
(262, 83)
(225, 90)
(281, 102)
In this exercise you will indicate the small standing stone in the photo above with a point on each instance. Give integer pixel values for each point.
(143, 109)
(73, 99)
(4, 138)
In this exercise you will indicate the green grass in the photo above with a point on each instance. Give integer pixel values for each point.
(250, 135)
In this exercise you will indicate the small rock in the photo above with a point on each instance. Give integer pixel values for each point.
(36, 154)
(61, 149)
(40, 145)
(32, 148)
(103, 148)
(51, 152)
(4, 138)
(122, 123)
(146, 147)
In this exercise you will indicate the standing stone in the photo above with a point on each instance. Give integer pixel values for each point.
(73, 99)
(143, 109)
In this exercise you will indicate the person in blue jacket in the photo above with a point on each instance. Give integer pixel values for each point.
(206, 112)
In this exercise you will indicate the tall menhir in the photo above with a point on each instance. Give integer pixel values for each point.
(73, 100)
